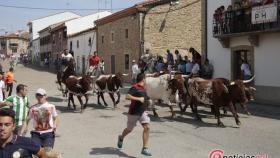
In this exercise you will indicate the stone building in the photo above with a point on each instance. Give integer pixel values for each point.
(118, 39)
(14, 43)
(156, 25)
(175, 26)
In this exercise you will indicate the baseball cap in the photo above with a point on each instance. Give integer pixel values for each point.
(133, 61)
(41, 91)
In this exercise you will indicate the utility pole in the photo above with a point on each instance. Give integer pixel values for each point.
(111, 6)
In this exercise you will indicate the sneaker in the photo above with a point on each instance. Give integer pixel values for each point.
(120, 142)
(146, 152)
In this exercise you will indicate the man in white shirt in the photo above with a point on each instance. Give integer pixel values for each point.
(195, 69)
(45, 120)
(2, 88)
(135, 71)
(65, 59)
(245, 69)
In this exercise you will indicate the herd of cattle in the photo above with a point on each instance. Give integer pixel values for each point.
(169, 88)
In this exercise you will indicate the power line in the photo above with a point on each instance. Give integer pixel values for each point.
(69, 9)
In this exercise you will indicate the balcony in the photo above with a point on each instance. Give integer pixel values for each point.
(246, 21)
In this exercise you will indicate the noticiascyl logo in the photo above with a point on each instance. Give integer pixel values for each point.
(217, 153)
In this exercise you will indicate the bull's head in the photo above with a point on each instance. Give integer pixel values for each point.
(177, 83)
(118, 80)
(249, 91)
(85, 82)
(238, 91)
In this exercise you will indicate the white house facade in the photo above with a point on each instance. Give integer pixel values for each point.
(39, 24)
(82, 44)
(81, 40)
(251, 33)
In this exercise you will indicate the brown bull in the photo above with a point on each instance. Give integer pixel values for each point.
(239, 92)
(110, 84)
(213, 93)
(78, 86)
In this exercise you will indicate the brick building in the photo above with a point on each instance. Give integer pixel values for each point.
(156, 25)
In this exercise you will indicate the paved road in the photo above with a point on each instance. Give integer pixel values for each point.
(94, 133)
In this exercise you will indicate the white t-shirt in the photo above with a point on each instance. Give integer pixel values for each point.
(195, 69)
(246, 69)
(67, 57)
(135, 69)
(2, 86)
(42, 116)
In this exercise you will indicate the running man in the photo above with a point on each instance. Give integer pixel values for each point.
(138, 112)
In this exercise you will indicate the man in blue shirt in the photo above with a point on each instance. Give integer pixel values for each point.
(13, 145)
(189, 65)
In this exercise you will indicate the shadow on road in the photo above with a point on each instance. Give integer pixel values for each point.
(39, 68)
(55, 99)
(109, 151)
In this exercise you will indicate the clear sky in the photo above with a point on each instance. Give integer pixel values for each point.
(12, 19)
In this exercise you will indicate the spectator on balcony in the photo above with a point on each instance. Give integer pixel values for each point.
(229, 19)
(223, 19)
(265, 2)
(216, 22)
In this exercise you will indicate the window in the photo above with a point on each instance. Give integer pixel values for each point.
(71, 45)
(14, 50)
(112, 37)
(59, 35)
(78, 44)
(65, 33)
(126, 61)
(89, 41)
(102, 39)
(126, 33)
(53, 38)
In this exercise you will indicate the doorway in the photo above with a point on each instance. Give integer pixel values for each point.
(113, 66)
(238, 56)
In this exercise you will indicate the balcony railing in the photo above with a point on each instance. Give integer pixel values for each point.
(239, 21)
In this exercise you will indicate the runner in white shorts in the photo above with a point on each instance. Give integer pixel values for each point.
(138, 112)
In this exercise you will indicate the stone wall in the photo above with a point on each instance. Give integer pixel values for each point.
(175, 27)
(120, 45)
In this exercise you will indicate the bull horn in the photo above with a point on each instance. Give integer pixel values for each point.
(252, 88)
(186, 76)
(93, 76)
(232, 83)
(250, 80)
(125, 74)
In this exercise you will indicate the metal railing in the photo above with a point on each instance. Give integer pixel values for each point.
(240, 21)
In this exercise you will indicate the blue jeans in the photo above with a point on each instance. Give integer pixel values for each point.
(45, 139)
